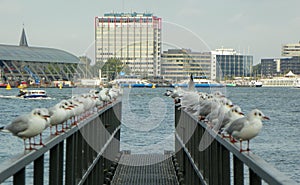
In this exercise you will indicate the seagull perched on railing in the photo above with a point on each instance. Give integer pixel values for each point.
(29, 125)
(246, 128)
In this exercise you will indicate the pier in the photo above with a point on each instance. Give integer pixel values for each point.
(90, 154)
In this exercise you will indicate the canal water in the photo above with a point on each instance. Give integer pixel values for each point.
(148, 121)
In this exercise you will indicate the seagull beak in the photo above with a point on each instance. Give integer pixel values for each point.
(46, 117)
(230, 106)
(266, 118)
(240, 113)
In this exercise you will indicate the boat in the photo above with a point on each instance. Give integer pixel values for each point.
(130, 81)
(199, 81)
(255, 83)
(296, 84)
(24, 93)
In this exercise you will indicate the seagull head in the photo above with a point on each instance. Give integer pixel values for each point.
(258, 114)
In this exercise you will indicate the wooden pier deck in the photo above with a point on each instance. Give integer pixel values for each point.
(146, 169)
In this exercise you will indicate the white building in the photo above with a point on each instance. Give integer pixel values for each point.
(290, 50)
(134, 38)
(178, 64)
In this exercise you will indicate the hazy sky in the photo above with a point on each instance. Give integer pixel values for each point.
(258, 27)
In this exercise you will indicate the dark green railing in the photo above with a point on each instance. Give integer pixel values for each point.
(219, 161)
(81, 155)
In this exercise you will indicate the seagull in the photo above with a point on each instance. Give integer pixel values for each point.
(234, 113)
(29, 125)
(246, 128)
(58, 115)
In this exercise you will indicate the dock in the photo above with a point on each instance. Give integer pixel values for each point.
(72, 158)
(150, 169)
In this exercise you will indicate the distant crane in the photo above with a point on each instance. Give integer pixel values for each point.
(34, 76)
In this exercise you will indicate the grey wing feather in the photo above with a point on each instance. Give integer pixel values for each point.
(236, 125)
(18, 125)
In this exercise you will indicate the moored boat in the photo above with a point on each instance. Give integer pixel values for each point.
(255, 83)
(130, 81)
(199, 81)
(296, 83)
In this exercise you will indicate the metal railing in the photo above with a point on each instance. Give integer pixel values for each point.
(76, 156)
(221, 162)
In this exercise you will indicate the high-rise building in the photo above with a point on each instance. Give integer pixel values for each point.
(134, 38)
(227, 63)
(291, 50)
(178, 64)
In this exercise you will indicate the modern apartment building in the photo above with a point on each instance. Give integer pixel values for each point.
(134, 38)
(290, 50)
(227, 63)
(178, 64)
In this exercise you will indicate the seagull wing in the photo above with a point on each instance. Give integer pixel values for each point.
(18, 125)
(236, 125)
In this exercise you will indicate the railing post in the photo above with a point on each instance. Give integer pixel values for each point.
(38, 177)
(254, 178)
(225, 165)
(19, 177)
(238, 171)
(70, 161)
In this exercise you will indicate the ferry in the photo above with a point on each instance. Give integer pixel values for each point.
(24, 93)
(130, 81)
(200, 81)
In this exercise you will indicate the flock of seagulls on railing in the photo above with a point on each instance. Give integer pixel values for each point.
(219, 113)
(65, 114)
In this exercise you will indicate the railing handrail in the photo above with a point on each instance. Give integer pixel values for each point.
(266, 171)
(15, 164)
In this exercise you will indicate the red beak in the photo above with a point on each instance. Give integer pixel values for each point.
(266, 118)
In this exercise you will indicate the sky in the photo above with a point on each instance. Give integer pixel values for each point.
(255, 27)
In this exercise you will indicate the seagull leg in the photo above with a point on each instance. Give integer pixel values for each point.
(41, 142)
(248, 143)
(232, 140)
(241, 147)
(24, 140)
(56, 130)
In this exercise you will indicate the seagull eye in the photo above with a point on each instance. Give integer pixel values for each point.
(259, 114)
(255, 114)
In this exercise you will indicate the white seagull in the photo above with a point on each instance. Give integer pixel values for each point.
(58, 114)
(29, 125)
(246, 128)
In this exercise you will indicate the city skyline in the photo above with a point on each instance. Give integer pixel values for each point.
(259, 28)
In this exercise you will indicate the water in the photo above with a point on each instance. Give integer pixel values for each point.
(148, 122)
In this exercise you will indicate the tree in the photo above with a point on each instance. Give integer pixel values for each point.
(112, 67)
(257, 70)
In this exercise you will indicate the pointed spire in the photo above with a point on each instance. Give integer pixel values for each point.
(23, 40)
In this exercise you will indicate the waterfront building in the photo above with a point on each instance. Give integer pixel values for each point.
(270, 67)
(134, 38)
(178, 64)
(36, 64)
(227, 63)
(290, 50)
(279, 66)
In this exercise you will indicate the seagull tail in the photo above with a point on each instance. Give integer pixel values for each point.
(2, 129)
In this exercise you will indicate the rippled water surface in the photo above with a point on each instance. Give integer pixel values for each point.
(148, 121)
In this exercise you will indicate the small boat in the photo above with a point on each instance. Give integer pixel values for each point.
(296, 84)
(24, 93)
(255, 83)
(130, 81)
(199, 81)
